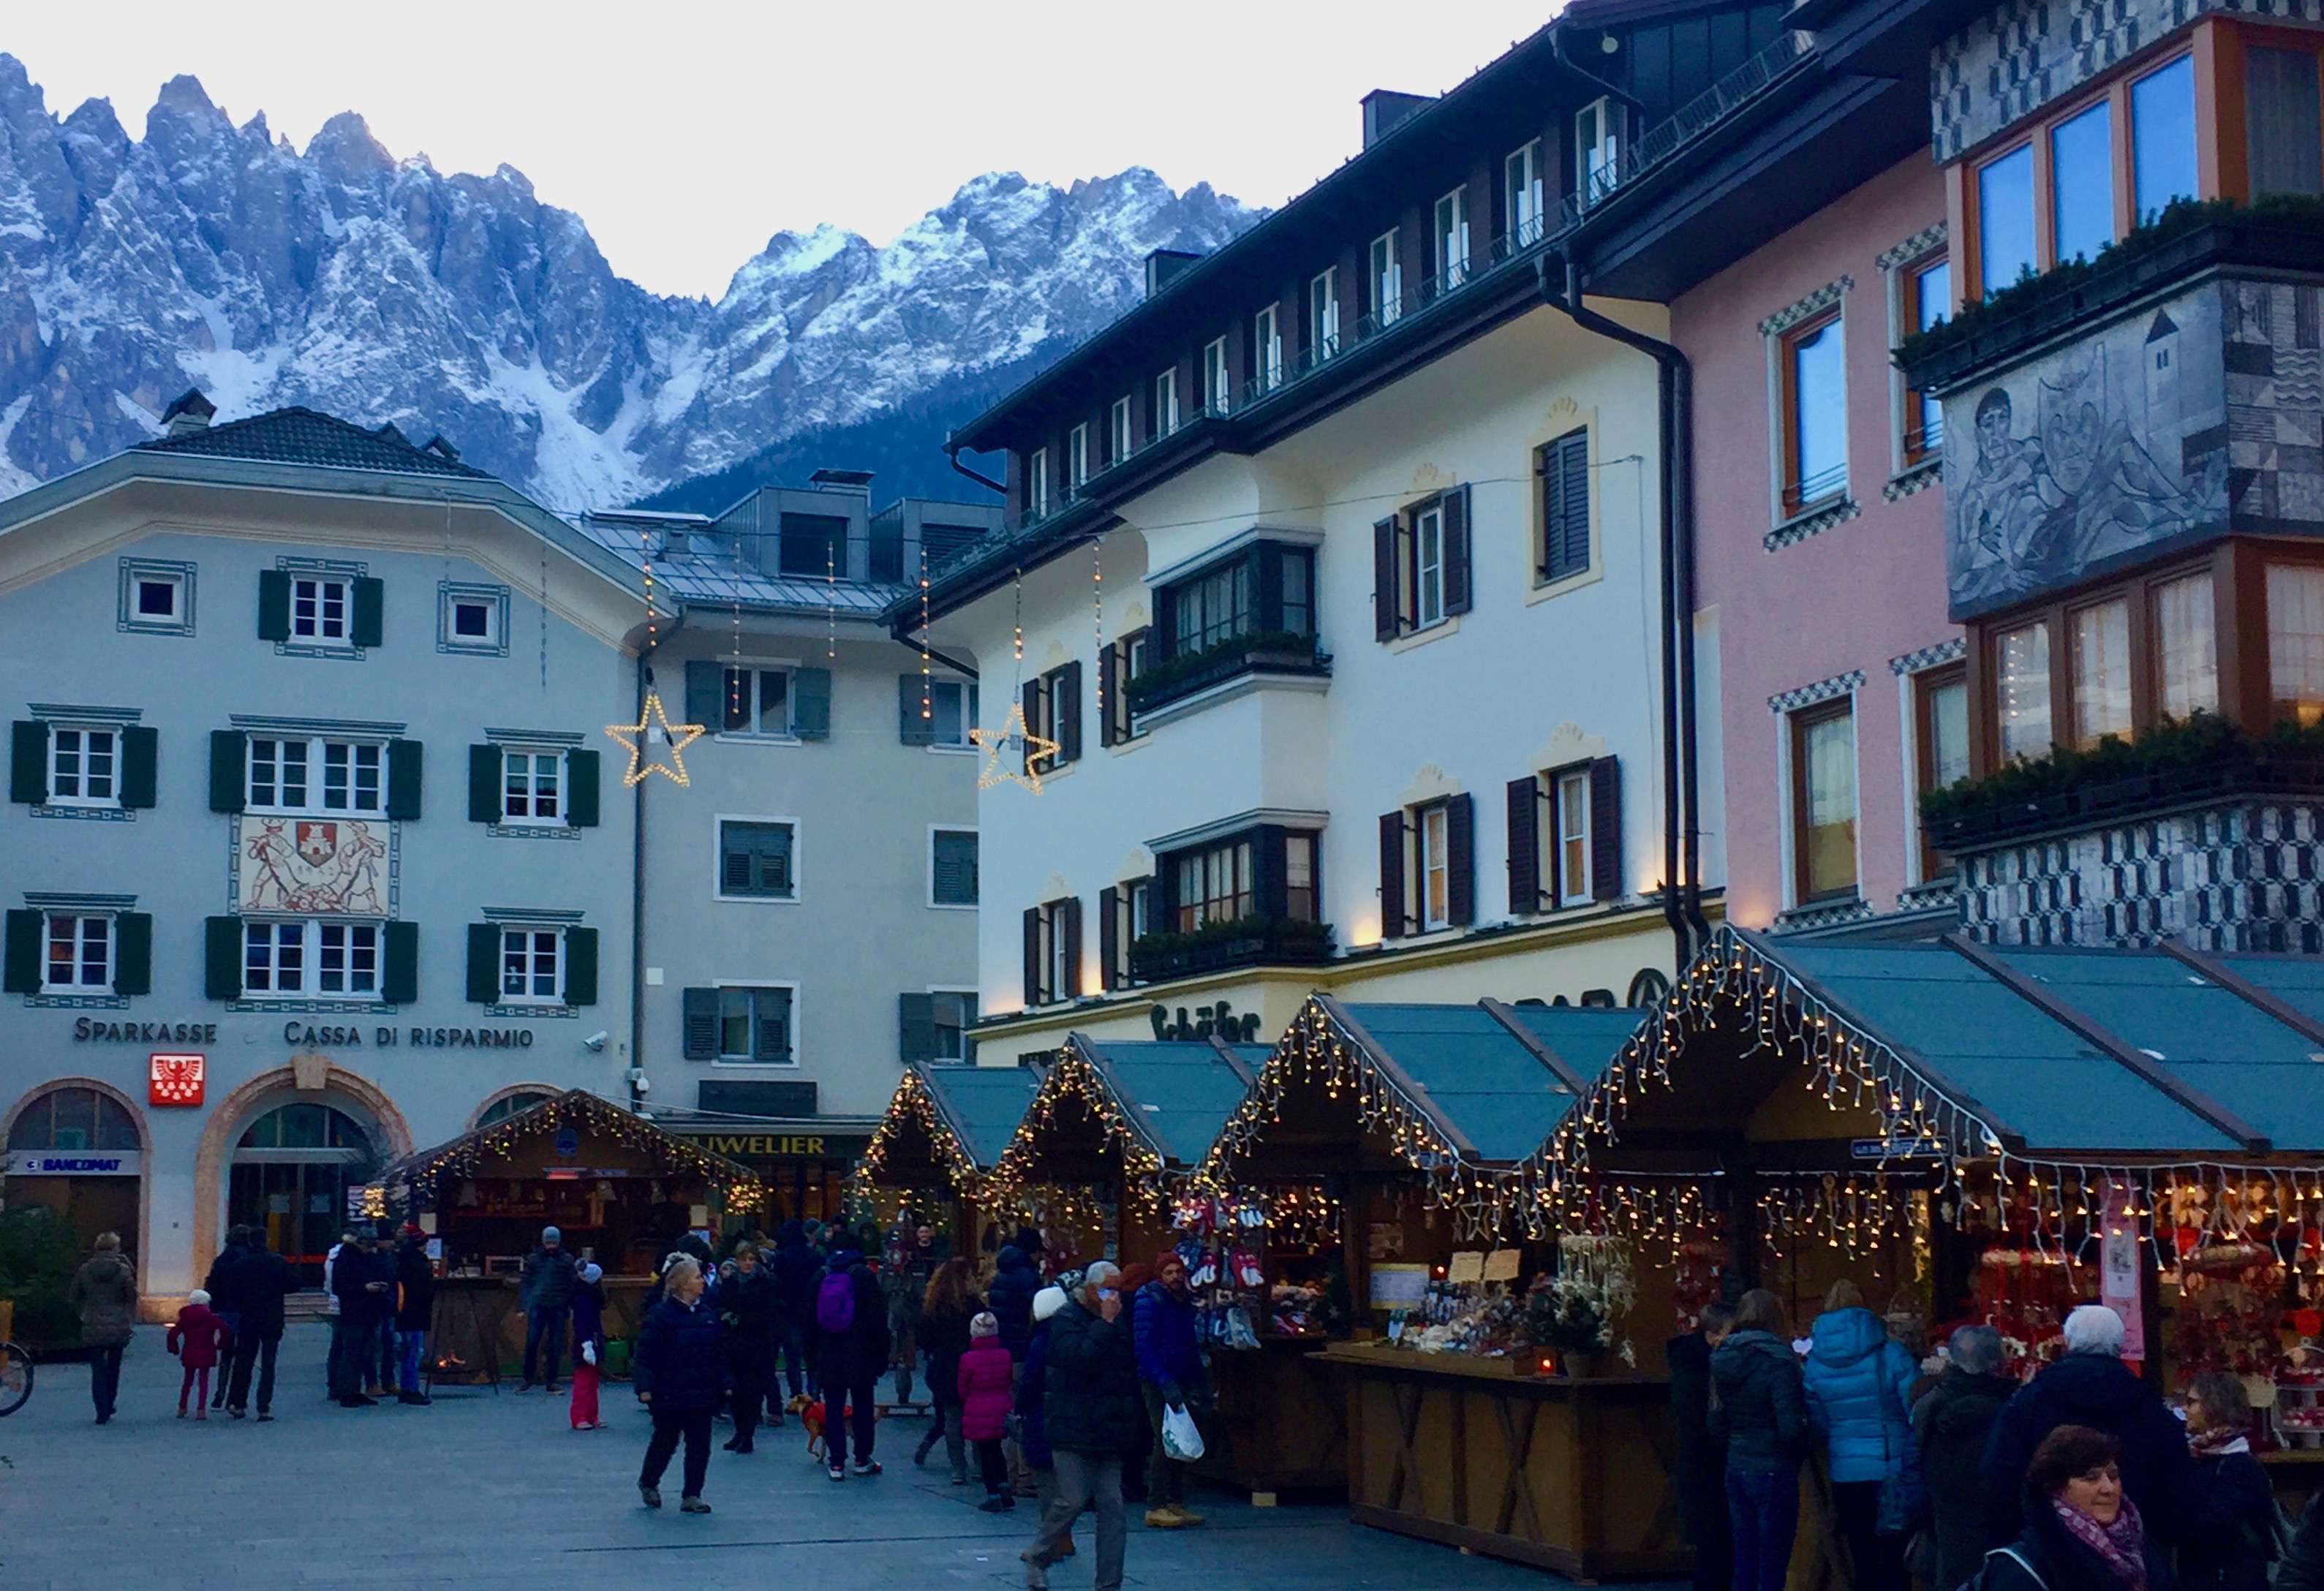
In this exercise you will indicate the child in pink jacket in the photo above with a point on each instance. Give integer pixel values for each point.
(986, 1397)
(199, 1340)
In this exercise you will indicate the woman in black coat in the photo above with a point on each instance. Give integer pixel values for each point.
(2230, 1509)
(1761, 1415)
(2082, 1531)
(747, 1305)
(681, 1377)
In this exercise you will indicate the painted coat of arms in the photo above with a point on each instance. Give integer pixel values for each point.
(329, 867)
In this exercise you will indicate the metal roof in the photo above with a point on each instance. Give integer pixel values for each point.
(982, 1104)
(720, 577)
(1181, 1093)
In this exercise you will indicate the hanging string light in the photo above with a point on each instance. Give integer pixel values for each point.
(913, 1115)
(581, 1111)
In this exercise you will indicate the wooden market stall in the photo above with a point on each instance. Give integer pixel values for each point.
(945, 1128)
(1972, 1132)
(1420, 1391)
(621, 1191)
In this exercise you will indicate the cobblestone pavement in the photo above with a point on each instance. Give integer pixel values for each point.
(479, 1490)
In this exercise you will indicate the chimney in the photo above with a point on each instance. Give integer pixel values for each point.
(1386, 110)
(855, 481)
(188, 412)
(1162, 265)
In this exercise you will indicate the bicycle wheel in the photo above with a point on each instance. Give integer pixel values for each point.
(15, 1377)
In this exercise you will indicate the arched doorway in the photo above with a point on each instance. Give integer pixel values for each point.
(77, 1150)
(289, 1175)
(512, 1102)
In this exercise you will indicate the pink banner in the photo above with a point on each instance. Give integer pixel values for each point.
(2119, 1278)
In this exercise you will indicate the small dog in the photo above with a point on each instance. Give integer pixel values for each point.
(810, 1414)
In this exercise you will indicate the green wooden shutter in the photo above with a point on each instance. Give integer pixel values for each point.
(580, 966)
(28, 761)
(141, 748)
(229, 765)
(370, 608)
(811, 703)
(911, 727)
(916, 1024)
(222, 958)
(1065, 711)
(771, 1025)
(584, 775)
(398, 981)
(404, 764)
(706, 695)
(23, 969)
(273, 604)
(1456, 551)
(133, 954)
(483, 963)
(698, 1022)
(483, 783)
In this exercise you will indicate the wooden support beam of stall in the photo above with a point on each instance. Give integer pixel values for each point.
(1569, 1081)
(2244, 989)
(1235, 1064)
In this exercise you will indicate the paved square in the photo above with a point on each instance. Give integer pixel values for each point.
(483, 1491)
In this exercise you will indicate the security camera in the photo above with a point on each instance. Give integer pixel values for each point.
(637, 1079)
(596, 1041)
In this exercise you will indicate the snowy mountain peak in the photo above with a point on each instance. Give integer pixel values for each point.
(345, 280)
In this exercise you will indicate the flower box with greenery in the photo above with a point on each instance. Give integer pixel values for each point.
(1269, 651)
(1574, 1310)
(1241, 943)
(2178, 763)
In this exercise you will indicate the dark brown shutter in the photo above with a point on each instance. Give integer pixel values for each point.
(1109, 935)
(1525, 845)
(1032, 957)
(1605, 829)
(698, 1022)
(1456, 551)
(1069, 923)
(1065, 710)
(1391, 875)
(1109, 691)
(1384, 580)
(1032, 702)
(1461, 859)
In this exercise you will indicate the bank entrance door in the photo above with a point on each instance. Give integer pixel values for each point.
(76, 1152)
(290, 1176)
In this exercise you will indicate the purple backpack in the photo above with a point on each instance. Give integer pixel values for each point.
(834, 1304)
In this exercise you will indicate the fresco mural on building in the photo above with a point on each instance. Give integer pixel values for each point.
(332, 866)
(2113, 448)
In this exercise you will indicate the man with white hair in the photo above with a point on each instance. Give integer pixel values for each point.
(2090, 1386)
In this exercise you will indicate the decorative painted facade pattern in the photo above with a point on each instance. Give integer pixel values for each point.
(1935, 657)
(1822, 299)
(1823, 690)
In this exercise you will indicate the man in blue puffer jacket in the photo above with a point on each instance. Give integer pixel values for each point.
(1171, 1375)
(1856, 1380)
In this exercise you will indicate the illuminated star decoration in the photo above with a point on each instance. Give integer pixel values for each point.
(677, 737)
(1013, 737)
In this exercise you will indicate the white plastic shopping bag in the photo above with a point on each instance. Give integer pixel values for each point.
(1180, 1438)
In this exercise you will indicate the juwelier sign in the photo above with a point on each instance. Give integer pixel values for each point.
(74, 1163)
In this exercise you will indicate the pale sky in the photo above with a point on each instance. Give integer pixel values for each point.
(685, 134)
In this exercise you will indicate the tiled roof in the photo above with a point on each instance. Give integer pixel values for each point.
(303, 436)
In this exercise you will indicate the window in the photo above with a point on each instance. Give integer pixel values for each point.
(883, 558)
(1212, 885)
(954, 1011)
(1166, 403)
(1940, 729)
(1036, 481)
(471, 618)
(1387, 280)
(1815, 415)
(1212, 608)
(1569, 815)
(1428, 566)
(1123, 661)
(951, 711)
(1052, 952)
(2022, 679)
(2283, 122)
(1299, 600)
(1598, 150)
(2295, 643)
(1323, 315)
(1521, 195)
(755, 701)
(346, 961)
(84, 767)
(74, 1118)
(530, 786)
(952, 867)
(1117, 442)
(2163, 137)
(755, 1025)
(80, 953)
(2081, 183)
(156, 598)
(1823, 801)
(1427, 866)
(2005, 220)
(1264, 589)
(1051, 703)
(529, 965)
(311, 957)
(1131, 906)
(1420, 565)
(159, 598)
(1265, 350)
(1926, 290)
(1300, 903)
(1452, 238)
(1077, 458)
(1565, 837)
(2101, 672)
(319, 609)
(2187, 652)
(1436, 869)
(754, 861)
(1217, 378)
(288, 775)
(813, 544)
(1562, 468)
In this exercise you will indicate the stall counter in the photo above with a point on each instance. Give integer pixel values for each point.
(1282, 1424)
(1566, 1474)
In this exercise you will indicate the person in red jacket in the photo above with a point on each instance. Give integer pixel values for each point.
(198, 1339)
(986, 1396)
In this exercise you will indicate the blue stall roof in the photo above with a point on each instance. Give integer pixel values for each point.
(1179, 1093)
(981, 1104)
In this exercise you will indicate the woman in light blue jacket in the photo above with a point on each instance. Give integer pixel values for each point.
(1856, 1381)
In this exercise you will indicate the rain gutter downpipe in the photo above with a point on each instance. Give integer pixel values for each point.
(1561, 288)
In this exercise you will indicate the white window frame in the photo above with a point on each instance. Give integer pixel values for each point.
(1386, 270)
(316, 758)
(315, 587)
(561, 785)
(1432, 833)
(1118, 436)
(114, 743)
(1573, 883)
(1450, 238)
(1267, 348)
(1794, 820)
(81, 921)
(1324, 314)
(137, 574)
(451, 597)
(533, 932)
(1913, 689)
(1057, 956)
(1218, 377)
(1427, 571)
(1598, 150)
(756, 730)
(954, 906)
(1523, 196)
(1077, 465)
(718, 859)
(1036, 481)
(1166, 403)
(357, 937)
(753, 985)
